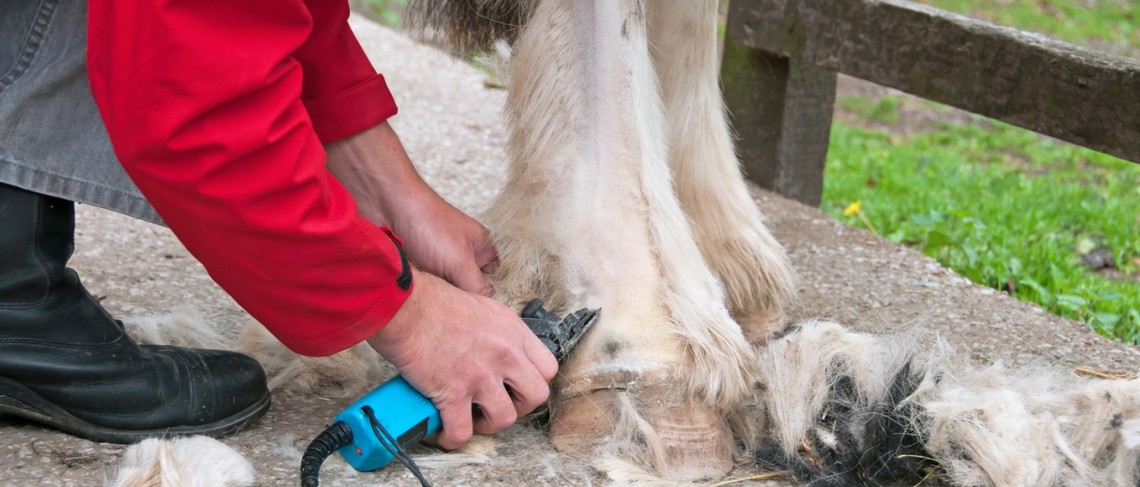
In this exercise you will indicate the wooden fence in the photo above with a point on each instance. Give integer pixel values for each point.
(782, 57)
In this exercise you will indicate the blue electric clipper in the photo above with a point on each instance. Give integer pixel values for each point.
(379, 427)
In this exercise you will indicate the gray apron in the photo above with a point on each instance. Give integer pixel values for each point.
(52, 140)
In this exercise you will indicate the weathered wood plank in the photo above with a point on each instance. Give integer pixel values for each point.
(781, 112)
(1057, 89)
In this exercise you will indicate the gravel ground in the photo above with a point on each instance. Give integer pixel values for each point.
(451, 125)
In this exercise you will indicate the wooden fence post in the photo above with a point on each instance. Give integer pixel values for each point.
(780, 107)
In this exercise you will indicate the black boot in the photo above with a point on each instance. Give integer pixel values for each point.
(65, 363)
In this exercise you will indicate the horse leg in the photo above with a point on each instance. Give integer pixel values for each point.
(589, 218)
(727, 225)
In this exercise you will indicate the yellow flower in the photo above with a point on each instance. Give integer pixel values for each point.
(853, 208)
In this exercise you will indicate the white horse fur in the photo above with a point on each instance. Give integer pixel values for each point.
(348, 374)
(845, 408)
(625, 195)
(195, 461)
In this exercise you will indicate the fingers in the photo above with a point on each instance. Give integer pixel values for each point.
(493, 410)
(487, 257)
(541, 357)
(468, 275)
(491, 267)
(457, 424)
(528, 389)
(492, 349)
(470, 279)
(496, 411)
(499, 403)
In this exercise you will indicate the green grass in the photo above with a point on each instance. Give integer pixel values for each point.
(1003, 207)
(384, 12)
(883, 109)
(1076, 21)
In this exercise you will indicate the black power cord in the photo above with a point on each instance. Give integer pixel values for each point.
(331, 439)
(393, 446)
(339, 435)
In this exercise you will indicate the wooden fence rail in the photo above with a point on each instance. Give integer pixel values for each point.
(782, 58)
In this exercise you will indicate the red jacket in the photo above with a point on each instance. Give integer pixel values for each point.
(218, 109)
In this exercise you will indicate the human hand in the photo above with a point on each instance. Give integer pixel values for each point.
(461, 349)
(438, 237)
(444, 241)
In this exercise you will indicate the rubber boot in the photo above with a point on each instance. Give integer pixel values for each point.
(66, 363)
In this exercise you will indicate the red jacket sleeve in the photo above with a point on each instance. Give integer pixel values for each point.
(341, 90)
(202, 101)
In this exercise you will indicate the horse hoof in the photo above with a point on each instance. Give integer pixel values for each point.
(646, 420)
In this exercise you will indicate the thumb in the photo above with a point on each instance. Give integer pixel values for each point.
(487, 259)
(469, 278)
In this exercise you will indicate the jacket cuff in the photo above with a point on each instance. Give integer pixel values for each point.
(395, 295)
(354, 110)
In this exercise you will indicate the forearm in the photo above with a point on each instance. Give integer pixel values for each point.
(375, 168)
(204, 111)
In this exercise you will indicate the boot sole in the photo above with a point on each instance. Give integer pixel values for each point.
(17, 400)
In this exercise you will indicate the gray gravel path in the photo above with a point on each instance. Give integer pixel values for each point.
(451, 125)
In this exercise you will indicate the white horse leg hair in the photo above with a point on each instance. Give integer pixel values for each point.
(727, 225)
(590, 218)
